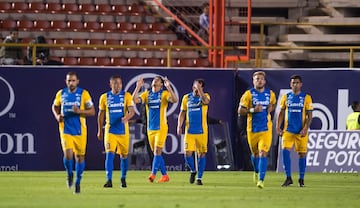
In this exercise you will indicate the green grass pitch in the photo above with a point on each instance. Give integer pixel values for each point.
(220, 189)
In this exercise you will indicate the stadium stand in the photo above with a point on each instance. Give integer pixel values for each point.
(140, 23)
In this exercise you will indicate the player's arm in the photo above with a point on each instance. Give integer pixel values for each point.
(88, 111)
(280, 121)
(173, 98)
(307, 123)
(272, 105)
(57, 113)
(281, 115)
(135, 95)
(245, 105)
(181, 119)
(308, 117)
(129, 115)
(204, 98)
(100, 122)
(56, 108)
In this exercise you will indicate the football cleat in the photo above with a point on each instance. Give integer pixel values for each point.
(164, 178)
(256, 177)
(77, 189)
(123, 183)
(301, 183)
(151, 178)
(192, 177)
(69, 181)
(260, 184)
(199, 182)
(108, 184)
(288, 181)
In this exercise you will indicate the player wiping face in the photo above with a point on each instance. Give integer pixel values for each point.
(196, 87)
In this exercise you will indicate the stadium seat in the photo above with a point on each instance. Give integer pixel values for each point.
(42, 25)
(20, 7)
(108, 26)
(26, 40)
(129, 43)
(62, 41)
(154, 62)
(141, 27)
(103, 9)
(119, 62)
(37, 7)
(162, 43)
(96, 42)
(70, 8)
(202, 62)
(25, 25)
(125, 27)
(87, 8)
(78, 42)
(186, 62)
(159, 27)
(121, 9)
(178, 43)
(92, 26)
(70, 61)
(137, 9)
(112, 42)
(136, 62)
(53, 8)
(146, 42)
(58, 25)
(5, 7)
(7, 24)
(103, 61)
(86, 61)
(173, 62)
(75, 25)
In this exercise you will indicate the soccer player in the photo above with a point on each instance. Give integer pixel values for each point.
(296, 109)
(71, 105)
(353, 119)
(257, 103)
(156, 102)
(118, 108)
(194, 107)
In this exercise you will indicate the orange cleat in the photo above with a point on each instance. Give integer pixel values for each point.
(151, 178)
(164, 178)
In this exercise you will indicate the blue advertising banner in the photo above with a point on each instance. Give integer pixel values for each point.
(330, 152)
(332, 91)
(29, 138)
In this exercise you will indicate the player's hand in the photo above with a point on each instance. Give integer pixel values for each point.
(179, 130)
(76, 109)
(60, 118)
(258, 108)
(124, 119)
(100, 135)
(166, 82)
(303, 132)
(140, 82)
(279, 131)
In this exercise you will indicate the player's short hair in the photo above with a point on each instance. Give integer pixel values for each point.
(296, 76)
(115, 77)
(354, 105)
(259, 73)
(201, 81)
(72, 73)
(159, 77)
